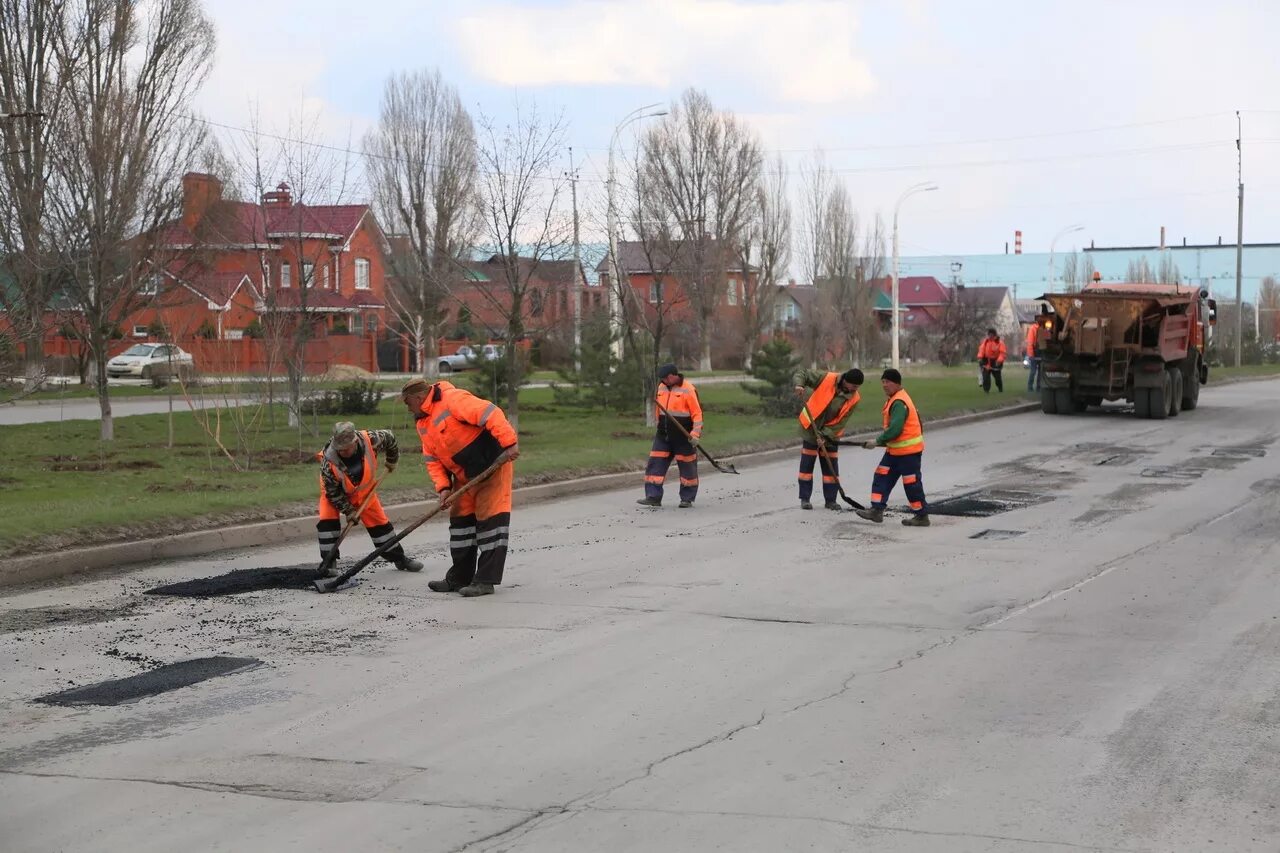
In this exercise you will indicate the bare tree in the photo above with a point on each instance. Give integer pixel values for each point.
(1139, 271)
(1084, 273)
(34, 76)
(520, 203)
(768, 241)
(1269, 309)
(701, 168)
(422, 164)
(964, 323)
(1070, 273)
(1168, 272)
(123, 140)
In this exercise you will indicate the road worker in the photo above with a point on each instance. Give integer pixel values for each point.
(462, 435)
(903, 441)
(832, 400)
(348, 466)
(680, 400)
(991, 356)
(1033, 357)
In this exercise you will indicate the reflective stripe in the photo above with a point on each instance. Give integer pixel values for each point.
(876, 497)
(487, 413)
(379, 540)
(652, 479)
(882, 470)
(491, 546)
(827, 479)
(806, 477)
(917, 505)
(909, 479)
(455, 532)
(497, 531)
(697, 424)
(685, 482)
(446, 413)
(659, 454)
(692, 457)
(328, 535)
(909, 442)
(462, 546)
(807, 452)
(429, 458)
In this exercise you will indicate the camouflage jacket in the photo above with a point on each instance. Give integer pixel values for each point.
(383, 442)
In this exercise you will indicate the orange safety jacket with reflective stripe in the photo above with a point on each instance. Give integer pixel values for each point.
(1033, 332)
(682, 402)
(990, 350)
(355, 492)
(911, 439)
(821, 398)
(462, 434)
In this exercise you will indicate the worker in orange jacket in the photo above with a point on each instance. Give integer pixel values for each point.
(348, 466)
(462, 435)
(680, 399)
(1033, 357)
(991, 355)
(903, 443)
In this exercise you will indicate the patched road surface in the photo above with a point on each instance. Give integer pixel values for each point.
(1083, 653)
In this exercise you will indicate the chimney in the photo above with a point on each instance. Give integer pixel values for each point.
(279, 197)
(199, 192)
(1162, 238)
(1017, 242)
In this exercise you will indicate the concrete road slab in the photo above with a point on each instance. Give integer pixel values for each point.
(1094, 669)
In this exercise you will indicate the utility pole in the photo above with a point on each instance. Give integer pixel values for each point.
(1239, 245)
(576, 289)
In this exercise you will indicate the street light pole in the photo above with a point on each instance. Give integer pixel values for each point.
(918, 188)
(611, 224)
(1068, 230)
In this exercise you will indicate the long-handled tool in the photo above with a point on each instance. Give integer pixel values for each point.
(351, 522)
(722, 467)
(822, 451)
(330, 584)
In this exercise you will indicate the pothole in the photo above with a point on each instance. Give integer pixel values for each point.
(162, 679)
(1173, 472)
(983, 504)
(241, 581)
(35, 618)
(998, 534)
(1246, 452)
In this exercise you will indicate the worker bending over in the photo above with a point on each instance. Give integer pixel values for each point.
(823, 416)
(683, 410)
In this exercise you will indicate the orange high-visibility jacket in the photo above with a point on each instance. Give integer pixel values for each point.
(1033, 332)
(352, 494)
(682, 402)
(821, 398)
(990, 350)
(462, 434)
(911, 439)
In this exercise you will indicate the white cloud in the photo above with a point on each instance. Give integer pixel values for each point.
(799, 51)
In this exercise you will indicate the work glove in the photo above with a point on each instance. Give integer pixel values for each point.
(694, 441)
(870, 445)
(391, 466)
(353, 517)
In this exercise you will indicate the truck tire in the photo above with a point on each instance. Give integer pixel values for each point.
(1160, 397)
(446, 367)
(1142, 402)
(1191, 393)
(1063, 401)
(1175, 396)
(1048, 401)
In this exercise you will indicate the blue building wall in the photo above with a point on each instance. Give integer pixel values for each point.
(1211, 266)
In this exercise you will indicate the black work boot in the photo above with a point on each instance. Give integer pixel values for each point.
(874, 514)
(921, 520)
(832, 505)
(650, 502)
(806, 505)
(443, 586)
(408, 564)
(476, 589)
(685, 504)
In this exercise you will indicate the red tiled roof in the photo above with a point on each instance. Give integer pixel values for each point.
(916, 290)
(218, 287)
(335, 219)
(317, 299)
(243, 223)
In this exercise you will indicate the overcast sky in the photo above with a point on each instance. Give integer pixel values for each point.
(1030, 115)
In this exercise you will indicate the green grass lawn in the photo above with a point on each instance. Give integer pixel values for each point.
(71, 488)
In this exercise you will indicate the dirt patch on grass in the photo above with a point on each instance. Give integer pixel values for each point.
(623, 433)
(281, 457)
(189, 485)
(75, 463)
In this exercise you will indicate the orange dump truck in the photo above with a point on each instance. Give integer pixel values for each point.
(1138, 342)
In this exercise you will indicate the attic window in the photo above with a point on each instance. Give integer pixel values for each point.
(917, 288)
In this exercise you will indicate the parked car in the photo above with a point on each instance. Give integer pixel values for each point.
(151, 361)
(467, 357)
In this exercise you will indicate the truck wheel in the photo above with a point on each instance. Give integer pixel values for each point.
(1191, 392)
(1065, 404)
(1142, 402)
(1160, 398)
(1175, 398)
(1048, 401)
(446, 367)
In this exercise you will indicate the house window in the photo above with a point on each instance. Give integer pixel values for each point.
(733, 291)
(655, 292)
(326, 276)
(564, 302)
(357, 325)
(595, 299)
(308, 274)
(371, 325)
(362, 274)
(535, 303)
(139, 331)
(151, 286)
(286, 275)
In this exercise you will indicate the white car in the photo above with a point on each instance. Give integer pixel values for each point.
(467, 357)
(146, 361)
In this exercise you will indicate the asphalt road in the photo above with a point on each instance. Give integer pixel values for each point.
(1095, 671)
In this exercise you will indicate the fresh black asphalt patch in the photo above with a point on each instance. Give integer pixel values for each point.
(984, 504)
(242, 580)
(162, 679)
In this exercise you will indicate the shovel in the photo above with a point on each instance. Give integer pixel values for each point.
(722, 467)
(351, 522)
(822, 451)
(330, 584)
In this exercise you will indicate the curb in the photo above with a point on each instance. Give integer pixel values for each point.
(114, 555)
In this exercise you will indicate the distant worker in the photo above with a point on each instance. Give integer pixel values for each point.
(903, 441)
(834, 397)
(348, 466)
(1033, 357)
(462, 435)
(991, 356)
(680, 399)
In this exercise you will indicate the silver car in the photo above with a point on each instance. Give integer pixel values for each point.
(147, 361)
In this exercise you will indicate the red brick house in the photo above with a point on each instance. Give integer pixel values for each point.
(922, 302)
(547, 304)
